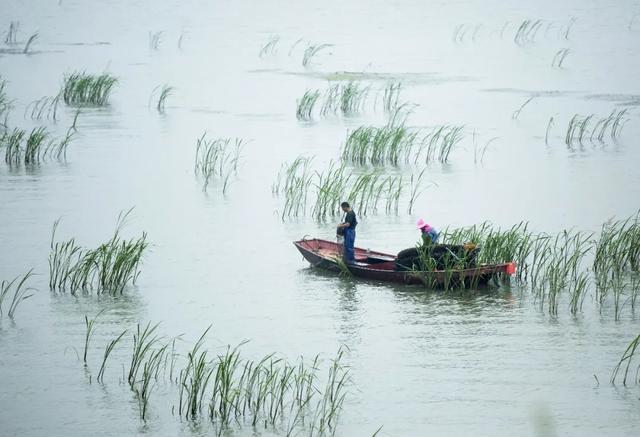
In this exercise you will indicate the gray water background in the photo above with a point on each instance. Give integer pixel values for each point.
(423, 363)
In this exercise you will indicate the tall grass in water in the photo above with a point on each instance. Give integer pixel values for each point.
(155, 38)
(370, 190)
(88, 334)
(30, 41)
(46, 107)
(594, 128)
(81, 88)
(270, 47)
(111, 267)
(216, 158)
(12, 33)
(347, 99)
(625, 362)
(165, 92)
(559, 57)
(391, 97)
(21, 292)
(33, 148)
(311, 51)
(556, 265)
(306, 104)
(294, 180)
(396, 143)
(107, 352)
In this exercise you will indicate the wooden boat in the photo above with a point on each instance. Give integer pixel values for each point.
(380, 266)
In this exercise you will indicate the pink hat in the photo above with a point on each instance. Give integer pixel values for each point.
(422, 224)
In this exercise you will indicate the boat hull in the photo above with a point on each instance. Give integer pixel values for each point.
(379, 266)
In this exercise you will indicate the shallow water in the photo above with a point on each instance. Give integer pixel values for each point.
(423, 363)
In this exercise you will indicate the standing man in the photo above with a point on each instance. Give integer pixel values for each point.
(349, 225)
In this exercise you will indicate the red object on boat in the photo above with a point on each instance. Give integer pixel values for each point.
(381, 266)
(511, 269)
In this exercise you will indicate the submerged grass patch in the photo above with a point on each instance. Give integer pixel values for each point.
(595, 129)
(554, 265)
(81, 88)
(18, 287)
(33, 148)
(320, 193)
(216, 158)
(109, 268)
(311, 51)
(232, 391)
(396, 143)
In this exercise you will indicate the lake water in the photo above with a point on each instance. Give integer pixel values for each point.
(487, 362)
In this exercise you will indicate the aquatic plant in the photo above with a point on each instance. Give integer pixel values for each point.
(108, 268)
(45, 107)
(164, 94)
(32, 149)
(324, 190)
(559, 57)
(107, 351)
(348, 99)
(306, 104)
(30, 41)
(479, 152)
(595, 128)
(311, 51)
(12, 33)
(388, 144)
(143, 342)
(527, 31)
(155, 38)
(21, 292)
(270, 46)
(88, 334)
(391, 97)
(625, 361)
(81, 88)
(214, 158)
(294, 180)
(396, 143)
(517, 112)
(546, 135)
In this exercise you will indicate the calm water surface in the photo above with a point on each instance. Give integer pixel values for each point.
(489, 363)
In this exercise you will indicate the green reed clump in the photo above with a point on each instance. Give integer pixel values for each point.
(270, 47)
(527, 31)
(593, 128)
(232, 391)
(311, 51)
(46, 107)
(81, 88)
(5, 103)
(294, 180)
(107, 352)
(306, 104)
(626, 361)
(370, 190)
(108, 268)
(155, 38)
(388, 144)
(33, 148)
(396, 143)
(12, 34)
(216, 159)
(559, 57)
(30, 41)
(162, 99)
(21, 292)
(347, 99)
(391, 97)
(88, 334)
